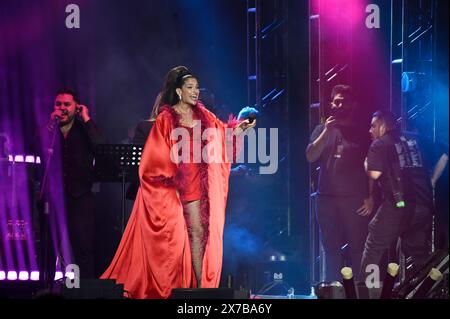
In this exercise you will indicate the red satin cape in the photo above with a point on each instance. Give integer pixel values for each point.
(154, 254)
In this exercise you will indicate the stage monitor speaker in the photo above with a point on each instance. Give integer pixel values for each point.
(209, 293)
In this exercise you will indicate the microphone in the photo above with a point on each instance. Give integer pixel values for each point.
(249, 113)
(57, 118)
(53, 123)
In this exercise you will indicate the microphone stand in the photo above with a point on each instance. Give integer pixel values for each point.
(45, 213)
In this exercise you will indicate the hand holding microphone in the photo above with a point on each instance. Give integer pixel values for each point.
(57, 115)
(55, 119)
(249, 114)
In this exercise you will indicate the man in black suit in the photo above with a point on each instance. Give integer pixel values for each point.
(75, 140)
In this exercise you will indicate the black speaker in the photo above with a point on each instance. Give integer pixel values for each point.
(209, 293)
(94, 289)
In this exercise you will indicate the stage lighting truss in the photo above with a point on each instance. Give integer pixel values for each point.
(326, 69)
(266, 53)
(267, 90)
(412, 53)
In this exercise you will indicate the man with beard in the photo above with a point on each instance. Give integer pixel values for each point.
(395, 160)
(75, 140)
(343, 201)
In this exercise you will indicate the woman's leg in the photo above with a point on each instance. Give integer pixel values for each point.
(196, 234)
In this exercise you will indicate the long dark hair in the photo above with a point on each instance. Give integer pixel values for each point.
(174, 79)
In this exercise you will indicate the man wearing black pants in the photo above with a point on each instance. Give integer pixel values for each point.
(343, 201)
(75, 141)
(395, 161)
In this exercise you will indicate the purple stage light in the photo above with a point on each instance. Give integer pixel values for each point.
(29, 159)
(58, 275)
(23, 158)
(12, 275)
(23, 275)
(34, 275)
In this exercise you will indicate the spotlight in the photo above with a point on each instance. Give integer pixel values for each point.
(12, 275)
(19, 158)
(2, 275)
(34, 275)
(58, 275)
(30, 159)
(23, 275)
(410, 81)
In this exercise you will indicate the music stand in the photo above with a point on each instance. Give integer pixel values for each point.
(117, 163)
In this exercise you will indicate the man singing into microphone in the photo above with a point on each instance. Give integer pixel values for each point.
(75, 140)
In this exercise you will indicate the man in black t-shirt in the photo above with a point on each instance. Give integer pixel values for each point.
(396, 162)
(343, 201)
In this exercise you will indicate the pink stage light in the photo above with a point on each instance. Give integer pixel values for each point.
(2, 275)
(341, 13)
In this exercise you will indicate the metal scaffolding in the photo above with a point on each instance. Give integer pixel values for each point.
(412, 53)
(412, 56)
(267, 89)
(330, 63)
(267, 80)
(412, 68)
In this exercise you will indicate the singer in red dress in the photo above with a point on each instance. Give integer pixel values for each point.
(173, 238)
